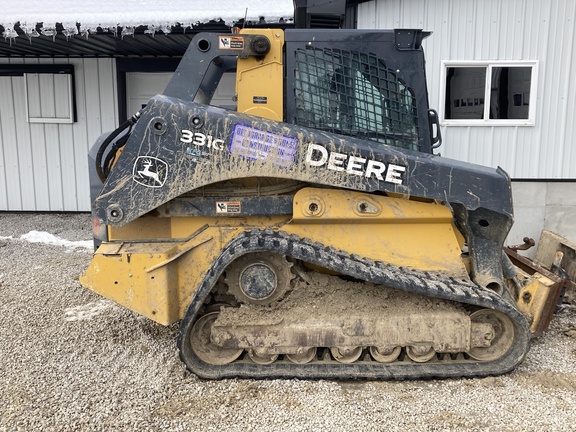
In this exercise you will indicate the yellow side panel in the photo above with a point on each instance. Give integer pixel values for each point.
(159, 279)
(141, 229)
(259, 81)
(118, 272)
(396, 231)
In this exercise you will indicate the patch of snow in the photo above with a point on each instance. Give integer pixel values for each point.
(87, 311)
(51, 239)
(109, 14)
(9, 32)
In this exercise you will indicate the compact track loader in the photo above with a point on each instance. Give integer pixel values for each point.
(311, 232)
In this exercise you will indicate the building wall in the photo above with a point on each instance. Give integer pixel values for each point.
(500, 30)
(543, 205)
(44, 166)
(544, 31)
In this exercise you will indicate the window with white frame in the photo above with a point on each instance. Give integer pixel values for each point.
(49, 97)
(488, 93)
(48, 91)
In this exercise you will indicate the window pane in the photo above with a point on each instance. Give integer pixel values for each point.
(510, 92)
(465, 87)
(49, 97)
(354, 93)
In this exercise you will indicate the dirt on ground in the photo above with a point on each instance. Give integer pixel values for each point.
(72, 361)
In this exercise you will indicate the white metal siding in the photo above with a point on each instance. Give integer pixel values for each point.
(500, 30)
(44, 166)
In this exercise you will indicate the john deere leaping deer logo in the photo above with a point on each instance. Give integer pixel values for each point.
(150, 171)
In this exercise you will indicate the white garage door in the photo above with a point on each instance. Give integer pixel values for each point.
(141, 86)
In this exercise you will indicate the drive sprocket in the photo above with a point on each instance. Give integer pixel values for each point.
(259, 278)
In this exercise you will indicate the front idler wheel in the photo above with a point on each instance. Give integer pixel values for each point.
(498, 340)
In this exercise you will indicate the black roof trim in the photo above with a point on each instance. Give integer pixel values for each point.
(21, 69)
(139, 42)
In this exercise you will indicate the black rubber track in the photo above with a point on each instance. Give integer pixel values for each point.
(423, 283)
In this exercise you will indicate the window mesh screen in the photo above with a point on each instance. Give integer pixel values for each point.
(352, 93)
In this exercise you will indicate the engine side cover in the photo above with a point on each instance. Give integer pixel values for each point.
(178, 146)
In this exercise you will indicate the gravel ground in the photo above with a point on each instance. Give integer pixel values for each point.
(73, 361)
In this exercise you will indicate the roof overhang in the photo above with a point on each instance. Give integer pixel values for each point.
(139, 42)
(116, 28)
(143, 28)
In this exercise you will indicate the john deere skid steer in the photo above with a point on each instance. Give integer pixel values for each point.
(311, 232)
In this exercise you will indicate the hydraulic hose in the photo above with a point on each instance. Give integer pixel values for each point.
(128, 123)
(112, 153)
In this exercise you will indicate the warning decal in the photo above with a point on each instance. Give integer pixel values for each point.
(231, 42)
(228, 207)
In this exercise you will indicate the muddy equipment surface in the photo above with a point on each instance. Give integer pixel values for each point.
(326, 327)
(312, 232)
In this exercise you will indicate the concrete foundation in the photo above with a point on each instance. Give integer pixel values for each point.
(542, 205)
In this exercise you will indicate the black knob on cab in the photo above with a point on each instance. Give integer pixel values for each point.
(260, 45)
